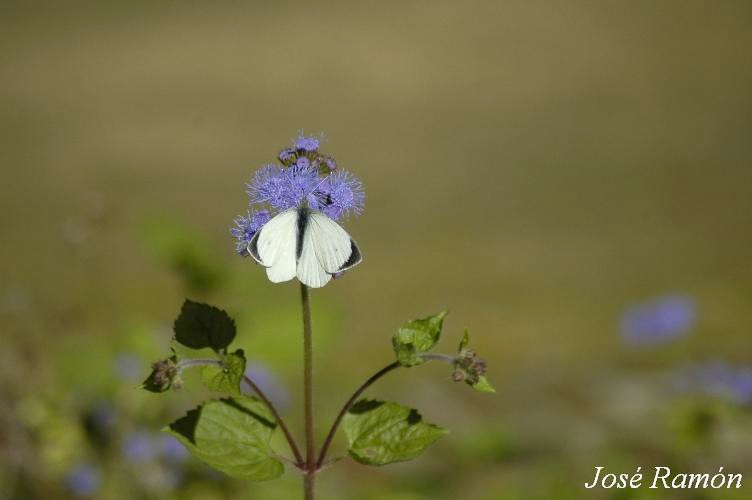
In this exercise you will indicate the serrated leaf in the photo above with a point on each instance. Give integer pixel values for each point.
(482, 385)
(382, 432)
(227, 377)
(416, 337)
(201, 325)
(231, 435)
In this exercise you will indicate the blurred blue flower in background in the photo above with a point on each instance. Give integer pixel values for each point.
(139, 447)
(719, 379)
(268, 383)
(171, 449)
(83, 480)
(659, 321)
(128, 367)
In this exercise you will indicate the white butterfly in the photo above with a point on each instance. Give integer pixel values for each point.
(305, 243)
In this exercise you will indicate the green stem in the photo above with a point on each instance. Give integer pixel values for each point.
(373, 378)
(310, 464)
(280, 422)
(365, 385)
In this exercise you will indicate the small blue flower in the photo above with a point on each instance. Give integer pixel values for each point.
(659, 321)
(307, 143)
(303, 163)
(283, 188)
(303, 181)
(328, 162)
(139, 447)
(340, 194)
(246, 227)
(269, 186)
(84, 480)
(288, 156)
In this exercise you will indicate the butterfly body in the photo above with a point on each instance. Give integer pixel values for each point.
(303, 243)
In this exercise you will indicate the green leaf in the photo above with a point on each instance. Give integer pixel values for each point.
(382, 432)
(231, 435)
(227, 377)
(202, 325)
(416, 337)
(465, 340)
(482, 385)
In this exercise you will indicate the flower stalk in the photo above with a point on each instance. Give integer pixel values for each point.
(310, 465)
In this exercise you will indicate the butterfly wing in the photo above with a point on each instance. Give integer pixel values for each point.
(326, 250)
(273, 246)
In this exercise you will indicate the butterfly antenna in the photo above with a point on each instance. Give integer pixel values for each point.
(317, 185)
(320, 183)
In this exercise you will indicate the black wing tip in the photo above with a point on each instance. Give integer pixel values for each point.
(354, 259)
(253, 248)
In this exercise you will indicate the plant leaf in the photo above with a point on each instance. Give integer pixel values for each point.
(232, 435)
(227, 377)
(201, 325)
(465, 340)
(416, 337)
(382, 432)
(482, 385)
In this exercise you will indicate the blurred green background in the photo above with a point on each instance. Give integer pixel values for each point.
(537, 167)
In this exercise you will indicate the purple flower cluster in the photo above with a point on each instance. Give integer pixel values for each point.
(246, 227)
(304, 177)
(659, 321)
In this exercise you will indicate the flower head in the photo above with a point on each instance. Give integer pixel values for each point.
(288, 156)
(305, 177)
(340, 194)
(246, 227)
(303, 162)
(325, 164)
(269, 186)
(307, 143)
(659, 321)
